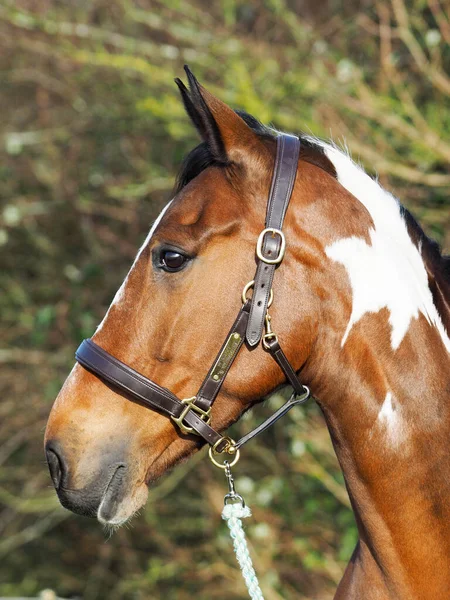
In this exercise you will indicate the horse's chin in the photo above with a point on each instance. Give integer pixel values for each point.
(118, 505)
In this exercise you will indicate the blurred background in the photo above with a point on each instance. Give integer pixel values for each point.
(91, 136)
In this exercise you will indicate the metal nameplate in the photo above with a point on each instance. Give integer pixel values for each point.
(226, 357)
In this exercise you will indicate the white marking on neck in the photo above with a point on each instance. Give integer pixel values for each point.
(390, 418)
(390, 272)
(119, 294)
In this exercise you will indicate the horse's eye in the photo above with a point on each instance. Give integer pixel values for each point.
(172, 261)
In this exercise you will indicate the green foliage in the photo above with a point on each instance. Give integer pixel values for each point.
(92, 134)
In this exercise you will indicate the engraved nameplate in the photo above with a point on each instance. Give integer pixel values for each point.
(226, 357)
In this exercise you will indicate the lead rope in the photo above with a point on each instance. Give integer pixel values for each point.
(233, 511)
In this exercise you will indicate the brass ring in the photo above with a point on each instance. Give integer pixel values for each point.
(249, 286)
(222, 465)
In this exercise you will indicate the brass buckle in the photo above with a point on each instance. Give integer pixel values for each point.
(260, 255)
(190, 405)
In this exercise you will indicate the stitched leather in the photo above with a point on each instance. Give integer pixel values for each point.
(155, 397)
(294, 400)
(288, 150)
(276, 351)
(210, 387)
(101, 363)
(92, 356)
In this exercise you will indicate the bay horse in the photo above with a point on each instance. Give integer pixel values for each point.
(362, 309)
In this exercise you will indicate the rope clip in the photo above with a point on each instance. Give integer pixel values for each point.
(232, 495)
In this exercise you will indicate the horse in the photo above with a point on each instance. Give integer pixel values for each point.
(361, 307)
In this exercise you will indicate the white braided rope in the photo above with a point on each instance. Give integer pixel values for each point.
(232, 514)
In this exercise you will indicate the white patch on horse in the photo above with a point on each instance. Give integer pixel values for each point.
(390, 418)
(119, 294)
(388, 273)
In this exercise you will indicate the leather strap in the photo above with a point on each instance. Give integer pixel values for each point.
(286, 162)
(294, 400)
(225, 358)
(93, 358)
(153, 396)
(274, 348)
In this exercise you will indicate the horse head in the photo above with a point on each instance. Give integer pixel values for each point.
(173, 310)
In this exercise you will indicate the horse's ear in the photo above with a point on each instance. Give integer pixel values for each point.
(225, 132)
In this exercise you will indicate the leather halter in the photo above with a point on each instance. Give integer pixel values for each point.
(192, 415)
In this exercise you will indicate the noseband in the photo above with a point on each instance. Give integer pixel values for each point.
(192, 415)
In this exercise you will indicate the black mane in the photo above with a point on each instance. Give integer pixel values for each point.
(201, 157)
(437, 264)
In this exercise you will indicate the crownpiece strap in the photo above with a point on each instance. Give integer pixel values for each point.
(271, 243)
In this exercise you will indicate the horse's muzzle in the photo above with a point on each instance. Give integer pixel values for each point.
(100, 498)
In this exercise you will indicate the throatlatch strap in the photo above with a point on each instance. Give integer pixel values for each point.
(294, 400)
(275, 350)
(286, 162)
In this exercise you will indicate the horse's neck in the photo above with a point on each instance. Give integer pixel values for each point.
(389, 418)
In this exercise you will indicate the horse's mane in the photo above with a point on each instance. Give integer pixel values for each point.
(436, 263)
(201, 157)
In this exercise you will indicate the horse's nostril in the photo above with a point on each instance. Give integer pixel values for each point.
(56, 467)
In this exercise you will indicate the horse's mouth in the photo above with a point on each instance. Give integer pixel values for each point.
(112, 496)
(118, 504)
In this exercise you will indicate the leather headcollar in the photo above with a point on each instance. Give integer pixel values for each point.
(192, 415)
